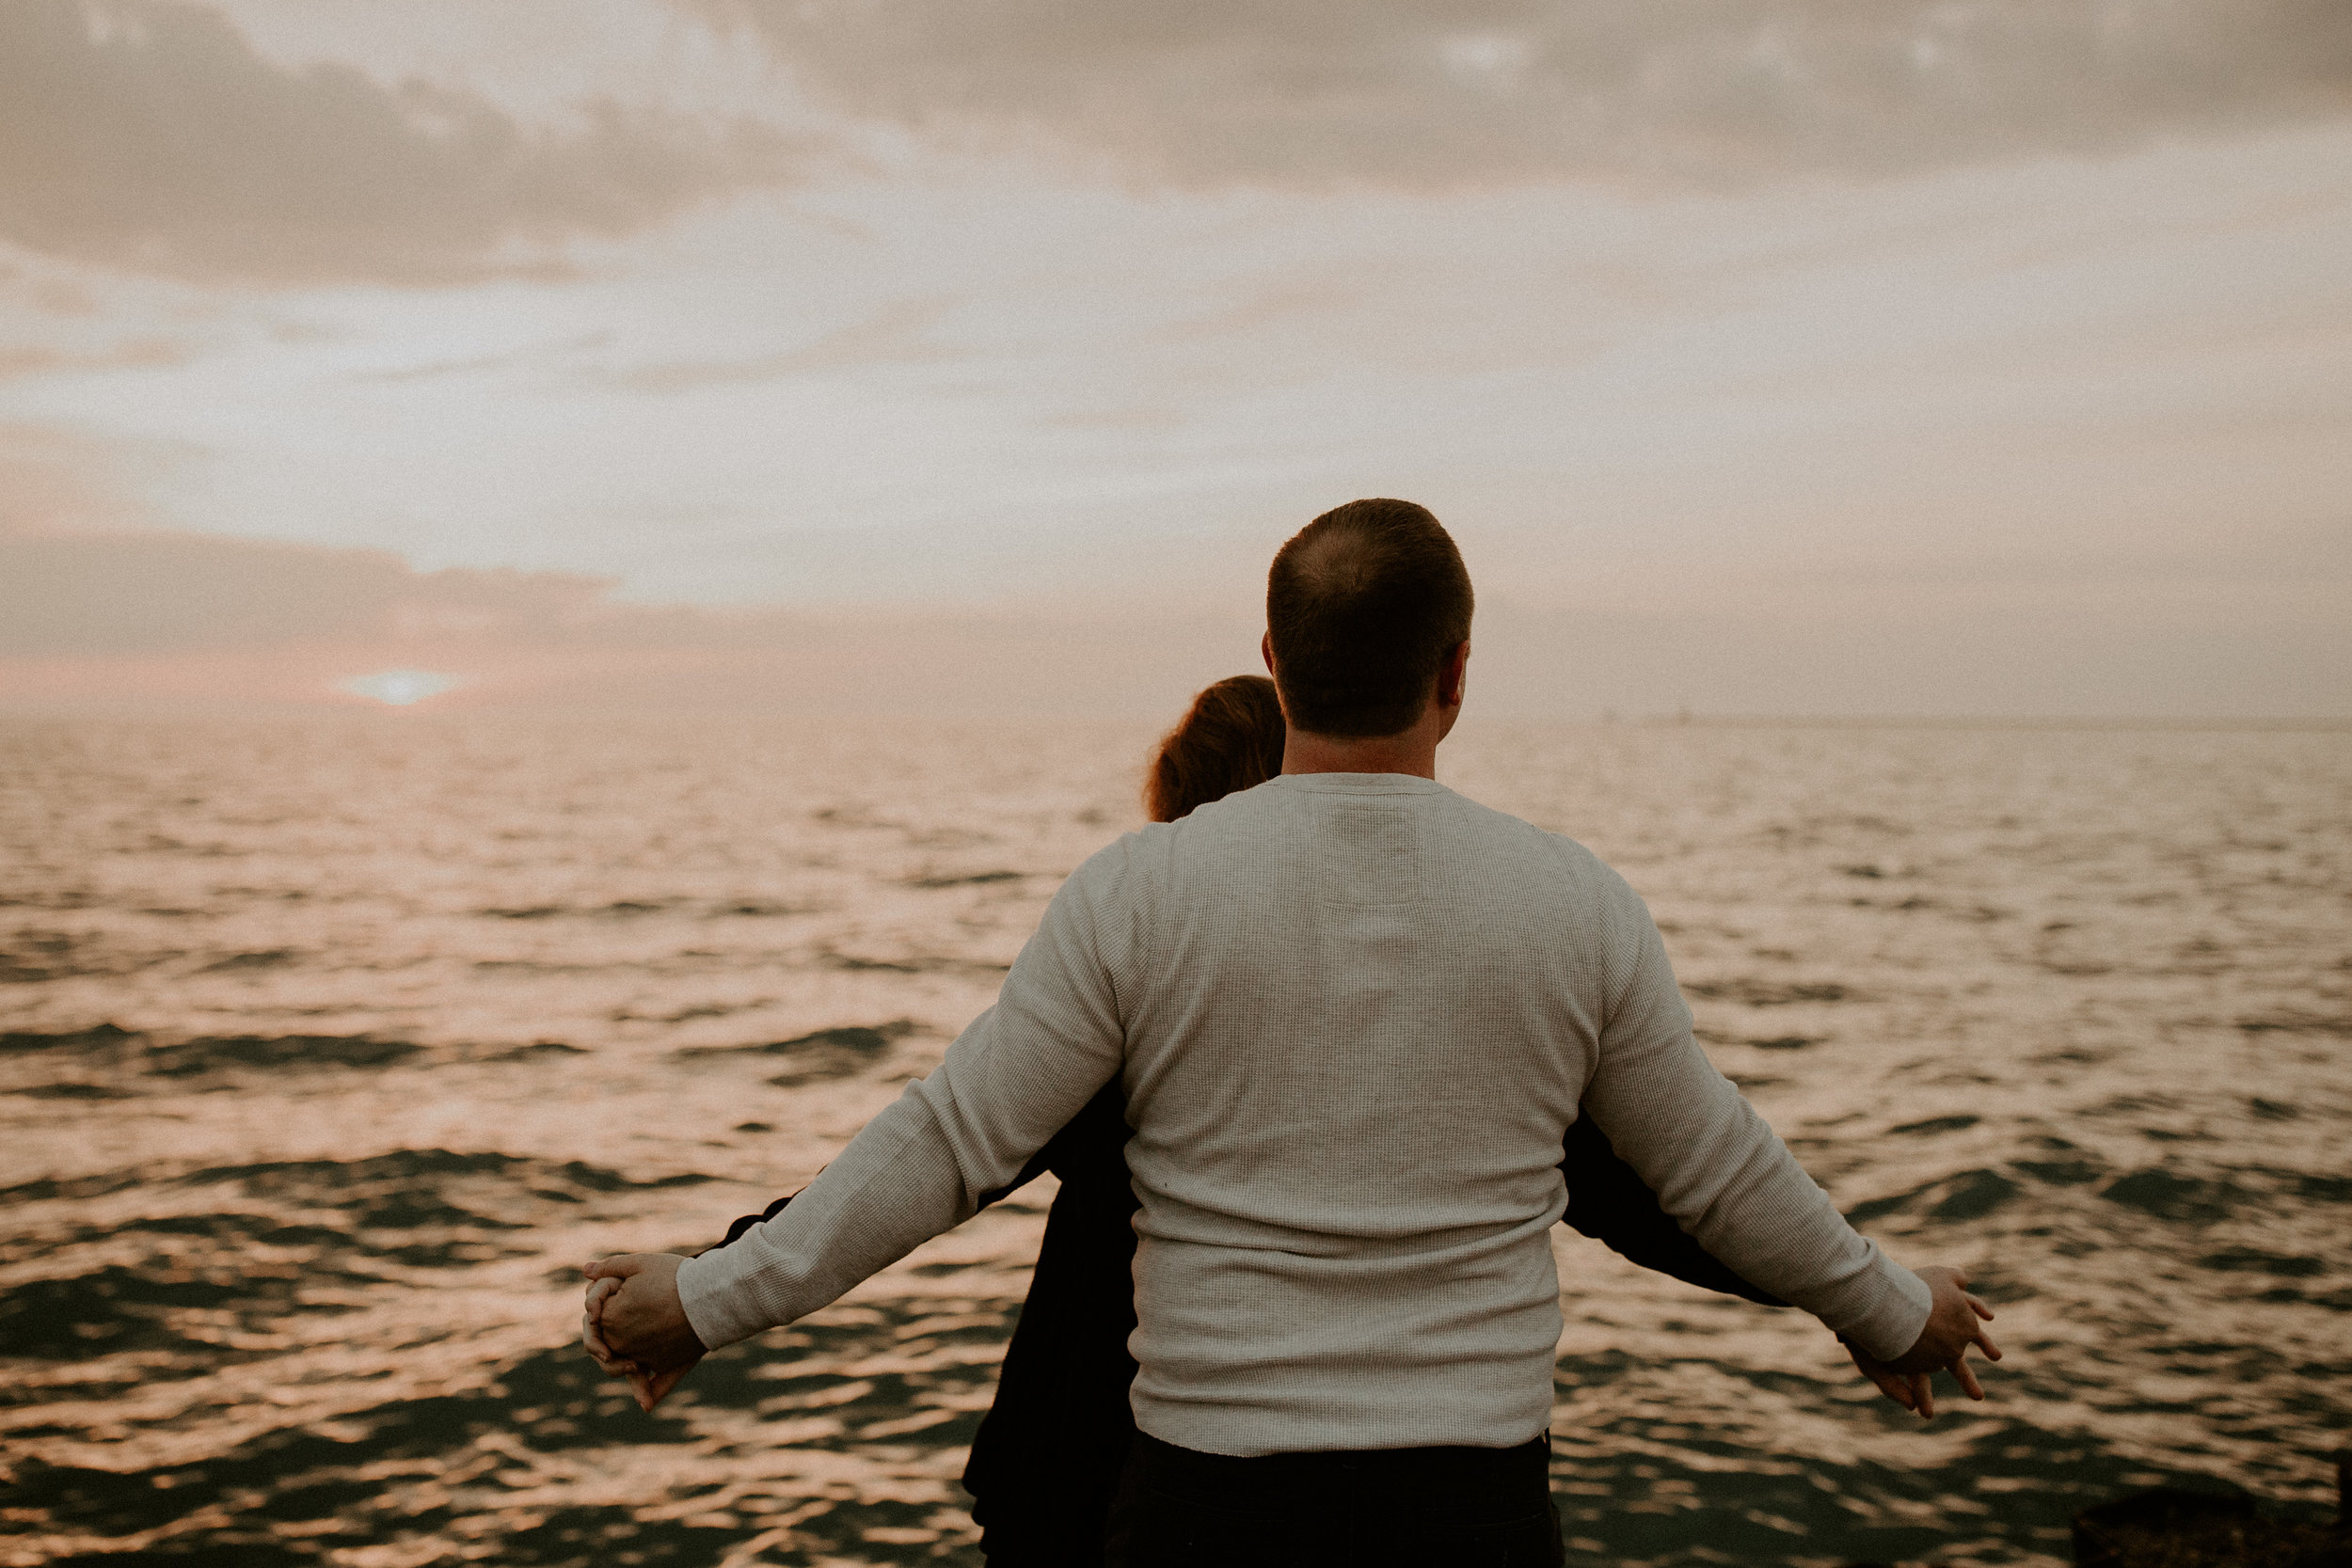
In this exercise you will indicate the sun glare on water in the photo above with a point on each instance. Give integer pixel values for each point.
(398, 688)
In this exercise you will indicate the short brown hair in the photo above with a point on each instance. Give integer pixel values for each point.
(1362, 605)
(1230, 739)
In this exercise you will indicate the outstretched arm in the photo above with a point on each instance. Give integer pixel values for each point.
(951, 1141)
(1726, 1177)
(646, 1337)
(1608, 1201)
(1039, 1163)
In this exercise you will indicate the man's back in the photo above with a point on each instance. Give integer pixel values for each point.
(1363, 1009)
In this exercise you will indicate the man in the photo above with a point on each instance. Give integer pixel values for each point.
(1352, 1013)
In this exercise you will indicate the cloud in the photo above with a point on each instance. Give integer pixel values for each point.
(1429, 94)
(53, 479)
(896, 335)
(76, 593)
(66, 593)
(146, 353)
(190, 623)
(152, 135)
(528, 357)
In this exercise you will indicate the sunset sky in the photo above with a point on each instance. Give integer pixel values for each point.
(1766, 357)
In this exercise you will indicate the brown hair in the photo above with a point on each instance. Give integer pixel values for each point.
(1230, 739)
(1362, 605)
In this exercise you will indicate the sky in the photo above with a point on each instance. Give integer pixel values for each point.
(1955, 359)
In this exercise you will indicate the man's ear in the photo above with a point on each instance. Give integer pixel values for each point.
(1454, 676)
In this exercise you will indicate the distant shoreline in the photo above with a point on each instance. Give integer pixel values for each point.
(39, 712)
(1891, 722)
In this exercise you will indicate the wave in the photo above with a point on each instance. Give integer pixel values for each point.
(819, 1055)
(301, 1494)
(1765, 993)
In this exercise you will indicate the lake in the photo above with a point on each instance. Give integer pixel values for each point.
(330, 1049)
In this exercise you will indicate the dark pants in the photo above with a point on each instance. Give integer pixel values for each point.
(1426, 1508)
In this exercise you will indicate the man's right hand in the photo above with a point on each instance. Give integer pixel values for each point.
(651, 1344)
(1955, 1320)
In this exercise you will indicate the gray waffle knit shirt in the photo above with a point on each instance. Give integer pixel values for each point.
(1353, 1014)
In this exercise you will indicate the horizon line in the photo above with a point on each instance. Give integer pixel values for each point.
(138, 712)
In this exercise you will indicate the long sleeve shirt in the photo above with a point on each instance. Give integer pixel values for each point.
(1353, 1016)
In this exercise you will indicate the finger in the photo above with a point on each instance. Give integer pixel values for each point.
(664, 1382)
(1984, 1341)
(619, 1266)
(657, 1386)
(597, 1292)
(592, 1337)
(1981, 1309)
(604, 1354)
(1966, 1377)
(1924, 1392)
(1888, 1385)
(1898, 1387)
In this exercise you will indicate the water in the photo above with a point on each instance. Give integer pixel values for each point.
(332, 1049)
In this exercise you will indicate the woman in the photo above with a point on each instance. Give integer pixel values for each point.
(1046, 1460)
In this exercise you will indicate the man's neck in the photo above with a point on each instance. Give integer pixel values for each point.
(1413, 752)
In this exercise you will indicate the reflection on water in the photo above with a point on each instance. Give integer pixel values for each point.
(328, 1052)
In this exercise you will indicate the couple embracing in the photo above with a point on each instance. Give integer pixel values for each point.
(1321, 1056)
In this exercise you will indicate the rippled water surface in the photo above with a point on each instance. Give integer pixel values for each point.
(329, 1052)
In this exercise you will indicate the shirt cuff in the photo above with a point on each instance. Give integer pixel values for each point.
(1892, 1311)
(718, 1300)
